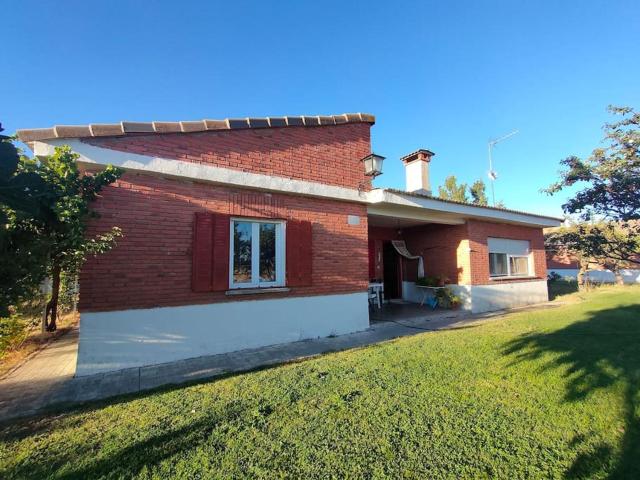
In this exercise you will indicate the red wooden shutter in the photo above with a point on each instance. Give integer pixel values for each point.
(202, 252)
(220, 260)
(299, 253)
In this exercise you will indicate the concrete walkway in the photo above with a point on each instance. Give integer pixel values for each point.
(46, 380)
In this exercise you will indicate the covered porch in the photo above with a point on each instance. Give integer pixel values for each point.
(436, 240)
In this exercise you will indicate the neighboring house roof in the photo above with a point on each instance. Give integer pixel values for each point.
(125, 128)
(557, 260)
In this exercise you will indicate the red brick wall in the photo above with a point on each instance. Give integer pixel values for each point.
(151, 265)
(460, 252)
(328, 154)
(480, 231)
(440, 247)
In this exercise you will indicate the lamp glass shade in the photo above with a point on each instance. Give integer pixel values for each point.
(373, 165)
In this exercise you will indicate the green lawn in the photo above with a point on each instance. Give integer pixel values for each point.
(547, 394)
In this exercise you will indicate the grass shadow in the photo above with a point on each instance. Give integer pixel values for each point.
(598, 352)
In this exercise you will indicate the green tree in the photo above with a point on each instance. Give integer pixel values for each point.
(48, 210)
(478, 193)
(610, 196)
(592, 243)
(452, 191)
(22, 255)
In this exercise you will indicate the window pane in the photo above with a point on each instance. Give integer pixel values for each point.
(241, 252)
(267, 252)
(498, 264)
(519, 265)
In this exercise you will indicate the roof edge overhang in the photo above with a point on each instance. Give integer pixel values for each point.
(414, 206)
(150, 128)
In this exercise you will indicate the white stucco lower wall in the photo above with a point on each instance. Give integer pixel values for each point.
(131, 338)
(487, 298)
(630, 276)
(411, 293)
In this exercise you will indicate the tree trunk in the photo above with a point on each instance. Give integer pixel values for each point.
(581, 274)
(51, 312)
(619, 277)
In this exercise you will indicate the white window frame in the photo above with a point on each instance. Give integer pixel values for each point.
(255, 253)
(509, 256)
(509, 272)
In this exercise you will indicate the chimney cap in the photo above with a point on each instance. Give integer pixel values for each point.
(420, 154)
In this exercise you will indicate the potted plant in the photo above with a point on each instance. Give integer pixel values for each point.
(447, 299)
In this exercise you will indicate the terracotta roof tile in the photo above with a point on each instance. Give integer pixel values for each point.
(125, 128)
(106, 129)
(167, 127)
(197, 126)
(277, 121)
(294, 121)
(137, 127)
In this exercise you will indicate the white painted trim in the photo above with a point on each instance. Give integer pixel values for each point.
(381, 196)
(134, 338)
(90, 154)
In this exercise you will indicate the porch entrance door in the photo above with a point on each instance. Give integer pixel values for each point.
(392, 272)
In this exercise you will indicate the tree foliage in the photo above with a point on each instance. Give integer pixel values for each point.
(610, 176)
(22, 255)
(452, 191)
(44, 209)
(478, 193)
(602, 243)
(609, 201)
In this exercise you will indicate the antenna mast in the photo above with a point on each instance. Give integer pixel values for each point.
(493, 175)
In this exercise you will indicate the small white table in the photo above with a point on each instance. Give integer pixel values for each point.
(377, 289)
(426, 293)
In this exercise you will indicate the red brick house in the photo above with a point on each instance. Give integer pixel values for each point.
(241, 233)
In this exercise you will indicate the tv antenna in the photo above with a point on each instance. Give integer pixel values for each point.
(493, 175)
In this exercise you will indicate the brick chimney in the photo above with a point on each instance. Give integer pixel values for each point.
(416, 167)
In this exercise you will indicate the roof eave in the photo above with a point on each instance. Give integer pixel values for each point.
(138, 128)
(467, 211)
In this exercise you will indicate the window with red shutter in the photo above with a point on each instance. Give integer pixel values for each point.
(299, 253)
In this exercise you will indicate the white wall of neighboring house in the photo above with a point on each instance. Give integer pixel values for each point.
(629, 276)
(133, 338)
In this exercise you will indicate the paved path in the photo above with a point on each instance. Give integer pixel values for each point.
(46, 380)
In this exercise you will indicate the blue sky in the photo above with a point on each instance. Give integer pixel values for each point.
(446, 75)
